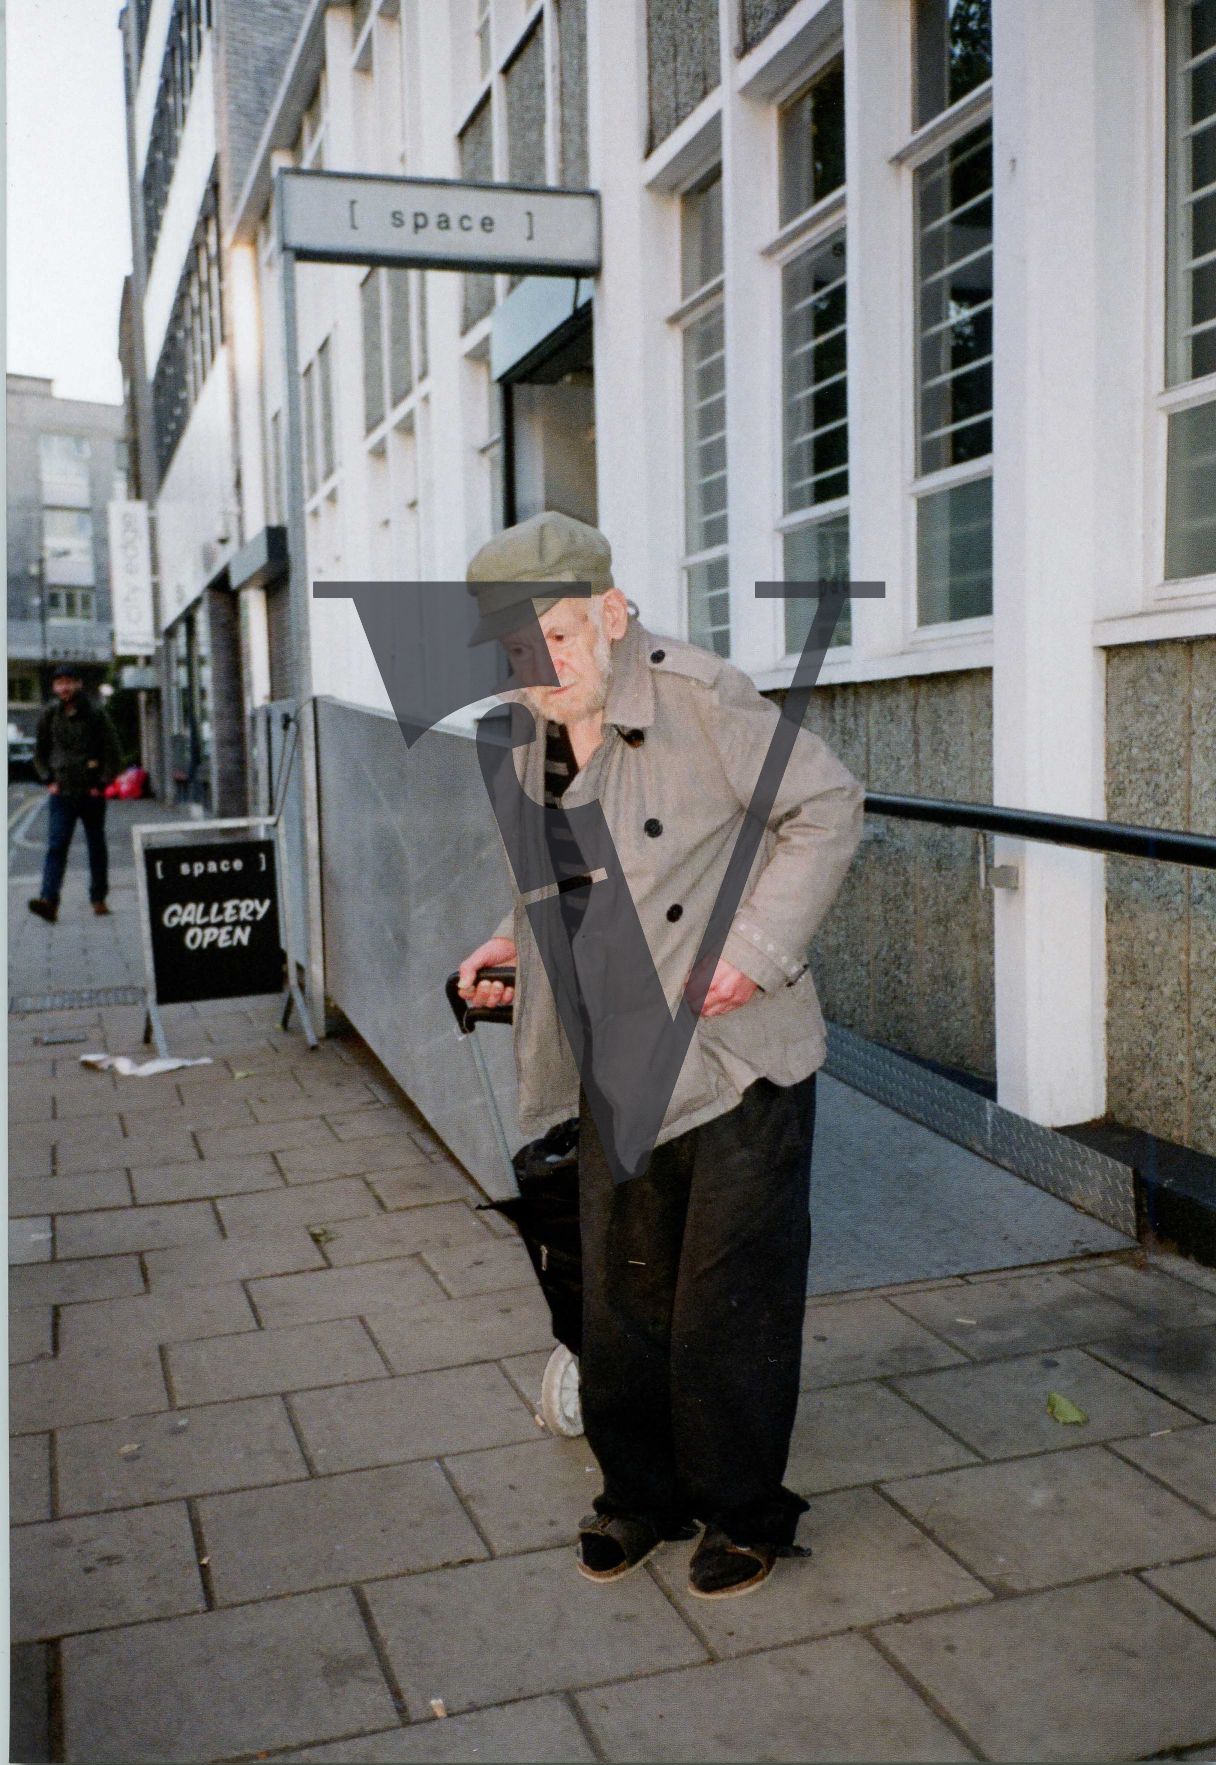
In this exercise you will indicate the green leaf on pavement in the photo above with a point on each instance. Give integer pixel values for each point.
(1063, 1409)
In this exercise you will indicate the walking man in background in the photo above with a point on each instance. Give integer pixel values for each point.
(694, 1273)
(76, 754)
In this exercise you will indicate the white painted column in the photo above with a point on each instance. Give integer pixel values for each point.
(1048, 682)
(881, 417)
(637, 385)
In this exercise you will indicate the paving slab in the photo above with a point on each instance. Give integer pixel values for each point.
(261, 1137)
(453, 1332)
(866, 1339)
(526, 1371)
(1103, 1671)
(1180, 1364)
(29, 1733)
(358, 1526)
(515, 1626)
(29, 1240)
(154, 1147)
(31, 1334)
(1159, 1301)
(149, 1319)
(350, 1158)
(420, 1417)
(216, 1111)
(103, 1569)
(56, 1195)
(490, 1265)
(446, 1225)
(1185, 1459)
(29, 1478)
(290, 1359)
(860, 1434)
(116, 1229)
(1031, 1523)
(528, 1497)
(1191, 1585)
(180, 1453)
(868, 1563)
(314, 1205)
(291, 1671)
(66, 1283)
(89, 1384)
(373, 1123)
(1000, 1407)
(205, 1178)
(836, 1699)
(354, 1292)
(234, 1259)
(1016, 1314)
(424, 1183)
(535, 1731)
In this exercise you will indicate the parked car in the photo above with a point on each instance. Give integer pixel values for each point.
(20, 753)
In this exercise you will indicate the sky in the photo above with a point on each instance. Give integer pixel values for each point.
(67, 222)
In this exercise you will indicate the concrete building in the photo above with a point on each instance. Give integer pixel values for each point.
(199, 78)
(66, 460)
(916, 291)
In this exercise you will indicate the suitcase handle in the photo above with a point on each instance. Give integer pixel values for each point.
(469, 1016)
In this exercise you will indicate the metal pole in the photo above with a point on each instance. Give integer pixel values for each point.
(300, 618)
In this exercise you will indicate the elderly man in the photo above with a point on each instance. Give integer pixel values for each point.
(695, 1271)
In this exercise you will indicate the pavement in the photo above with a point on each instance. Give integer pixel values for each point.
(279, 1488)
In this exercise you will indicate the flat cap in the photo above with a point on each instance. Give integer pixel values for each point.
(551, 547)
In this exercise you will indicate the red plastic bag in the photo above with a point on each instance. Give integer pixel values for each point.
(129, 784)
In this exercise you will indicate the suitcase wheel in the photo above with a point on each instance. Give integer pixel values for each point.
(560, 1405)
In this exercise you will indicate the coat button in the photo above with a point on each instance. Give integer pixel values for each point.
(653, 827)
(657, 655)
(674, 912)
(634, 737)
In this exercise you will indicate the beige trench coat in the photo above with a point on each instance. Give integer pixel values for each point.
(705, 730)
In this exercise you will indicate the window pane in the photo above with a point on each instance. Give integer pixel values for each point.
(954, 309)
(954, 553)
(701, 233)
(477, 164)
(373, 350)
(67, 539)
(816, 405)
(64, 462)
(811, 139)
(420, 285)
(326, 404)
(310, 428)
(705, 432)
(953, 52)
(1190, 516)
(525, 91)
(1191, 227)
(709, 605)
(400, 349)
(819, 553)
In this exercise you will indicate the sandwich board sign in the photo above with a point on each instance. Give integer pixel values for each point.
(211, 916)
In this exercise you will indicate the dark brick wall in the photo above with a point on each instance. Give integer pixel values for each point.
(227, 711)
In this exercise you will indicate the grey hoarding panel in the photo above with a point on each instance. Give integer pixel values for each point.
(414, 877)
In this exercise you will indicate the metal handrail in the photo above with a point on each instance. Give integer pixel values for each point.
(1166, 845)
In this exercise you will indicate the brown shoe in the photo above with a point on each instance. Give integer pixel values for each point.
(101, 910)
(721, 1570)
(48, 910)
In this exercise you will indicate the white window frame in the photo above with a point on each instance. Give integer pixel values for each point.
(692, 308)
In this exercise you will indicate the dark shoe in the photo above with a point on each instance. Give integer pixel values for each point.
(101, 910)
(611, 1545)
(48, 910)
(719, 1569)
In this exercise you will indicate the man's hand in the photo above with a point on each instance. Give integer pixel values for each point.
(729, 989)
(52, 789)
(96, 791)
(494, 953)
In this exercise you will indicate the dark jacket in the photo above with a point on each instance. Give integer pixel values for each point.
(78, 749)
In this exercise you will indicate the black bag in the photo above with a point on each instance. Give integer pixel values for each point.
(545, 1213)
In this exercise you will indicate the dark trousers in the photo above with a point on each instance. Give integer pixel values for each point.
(694, 1289)
(64, 813)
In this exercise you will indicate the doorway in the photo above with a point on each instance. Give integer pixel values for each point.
(549, 429)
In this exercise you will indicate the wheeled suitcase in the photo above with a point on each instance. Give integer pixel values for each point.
(545, 1214)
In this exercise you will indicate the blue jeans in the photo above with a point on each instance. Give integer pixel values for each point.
(64, 812)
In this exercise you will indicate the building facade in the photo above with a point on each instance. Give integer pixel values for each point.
(67, 459)
(200, 75)
(919, 292)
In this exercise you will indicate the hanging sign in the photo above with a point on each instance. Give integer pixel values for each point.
(131, 579)
(434, 223)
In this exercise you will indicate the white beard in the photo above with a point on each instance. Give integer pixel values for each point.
(581, 701)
